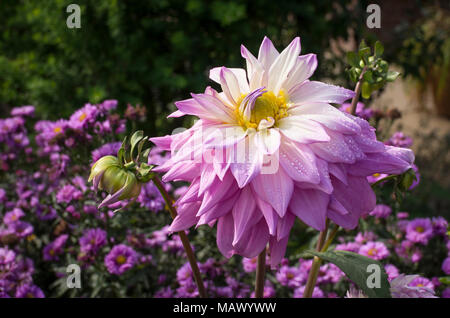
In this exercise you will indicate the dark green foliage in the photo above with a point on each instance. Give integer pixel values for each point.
(148, 52)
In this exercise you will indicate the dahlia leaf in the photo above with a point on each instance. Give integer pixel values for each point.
(359, 269)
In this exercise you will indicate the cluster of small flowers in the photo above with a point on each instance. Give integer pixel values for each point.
(16, 276)
(47, 205)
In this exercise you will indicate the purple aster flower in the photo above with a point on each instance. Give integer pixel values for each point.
(23, 111)
(82, 117)
(409, 251)
(290, 276)
(151, 198)
(376, 177)
(381, 211)
(422, 282)
(165, 292)
(402, 215)
(120, 259)
(410, 286)
(317, 292)
(68, 193)
(350, 246)
(362, 238)
(52, 250)
(188, 290)
(440, 225)
(399, 139)
(29, 291)
(7, 257)
(108, 105)
(391, 271)
(360, 111)
(249, 264)
(21, 229)
(184, 274)
(109, 149)
(419, 230)
(375, 250)
(268, 292)
(446, 266)
(2, 195)
(92, 240)
(446, 293)
(13, 216)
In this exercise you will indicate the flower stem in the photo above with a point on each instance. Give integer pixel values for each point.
(184, 239)
(314, 271)
(357, 92)
(260, 274)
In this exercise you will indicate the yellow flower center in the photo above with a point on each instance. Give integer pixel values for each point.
(420, 285)
(376, 175)
(420, 229)
(57, 130)
(267, 105)
(290, 275)
(121, 259)
(82, 117)
(372, 252)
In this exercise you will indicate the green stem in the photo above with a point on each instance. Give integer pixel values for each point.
(314, 271)
(357, 91)
(260, 274)
(184, 239)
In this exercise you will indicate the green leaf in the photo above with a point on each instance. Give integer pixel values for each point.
(357, 268)
(445, 280)
(368, 77)
(352, 59)
(364, 54)
(379, 49)
(392, 76)
(366, 90)
(137, 136)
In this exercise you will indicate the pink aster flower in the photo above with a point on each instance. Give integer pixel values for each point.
(270, 148)
(375, 250)
(419, 230)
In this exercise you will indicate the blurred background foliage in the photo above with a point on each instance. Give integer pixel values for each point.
(150, 52)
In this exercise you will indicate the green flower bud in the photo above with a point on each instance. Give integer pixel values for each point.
(122, 179)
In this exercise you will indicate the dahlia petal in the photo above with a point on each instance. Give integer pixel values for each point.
(310, 206)
(176, 114)
(282, 66)
(302, 130)
(313, 91)
(225, 234)
(186, 217)
(326, 115)
(254, 69)
(267, 53)
(276, 189)
(216, 192)
(256, 242)
(224, 136)
(268, 140)
(190, 107)
(220, 209)
(183, 170)
(206, 178)
(230, 85)
(269, 214)
(191, 195)
(277, 250)
(284, 225)
(339, 171)
(299, 162)
(246, 164)
(213, 108)
(239, 73)
(302, 70)
(357, 197)
(393, 161)
(162, 142)
(245, 214)
(324, 175)
(335, 150)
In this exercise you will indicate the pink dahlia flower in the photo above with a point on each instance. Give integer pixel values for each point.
(270, 148)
